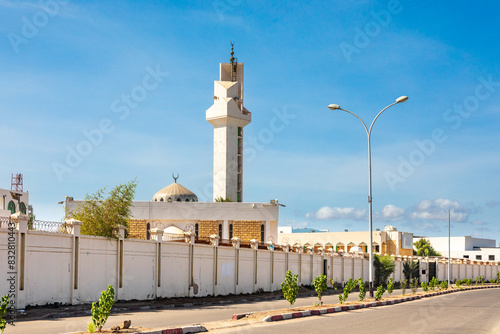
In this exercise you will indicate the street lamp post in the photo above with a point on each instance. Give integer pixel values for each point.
(400, 99)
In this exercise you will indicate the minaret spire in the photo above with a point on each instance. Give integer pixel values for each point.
(229, 117)
(234, 63)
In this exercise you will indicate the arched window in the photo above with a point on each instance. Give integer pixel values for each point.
(262, 233)
(179, 199)
(196, 229)
(148, 231)
(187, 200)
(161, 199)
(22, 207)
(220, 231)
(230, 231)
(12, 207)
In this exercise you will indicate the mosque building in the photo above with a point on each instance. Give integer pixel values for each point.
(176, 209)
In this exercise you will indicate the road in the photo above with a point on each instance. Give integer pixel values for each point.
(465, 312)
(462, 306)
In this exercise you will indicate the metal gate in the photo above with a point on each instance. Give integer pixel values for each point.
(432, 270)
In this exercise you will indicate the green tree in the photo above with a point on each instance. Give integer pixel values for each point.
(411, 269)
(362, 289)
(423, 247)
(101, 216)
(320, 286)
(390, 286)
(290, 287)
(384, 267)
(3, 310)
(100, 313)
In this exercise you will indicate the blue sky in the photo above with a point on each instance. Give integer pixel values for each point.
(67, 65)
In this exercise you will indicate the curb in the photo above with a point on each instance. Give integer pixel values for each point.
(300, 314)
(178, 330)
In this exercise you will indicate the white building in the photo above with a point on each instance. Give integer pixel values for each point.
(465, 247)
(12, 202)
(176, 209)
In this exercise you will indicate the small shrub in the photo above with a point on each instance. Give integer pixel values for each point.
(3, 310)
(91, 327)
(320, 286)
(362, 289)
(332, 282)
(347, 289)
(404, 285)
(469, 282)
(290, 288)
(434, 283)
(380, 292)
(425, 287)
(414, 284)
(498, 277)
(100, 313)
(458, 282)
(390, 286)
(444, 285)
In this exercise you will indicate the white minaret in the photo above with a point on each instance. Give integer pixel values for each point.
(229, 117)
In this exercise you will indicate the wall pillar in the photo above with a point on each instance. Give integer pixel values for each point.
(120, 262)
(73, 227)
(214, 240)
(20, 220)
(157, 235)
(236, 242)
(255, 246)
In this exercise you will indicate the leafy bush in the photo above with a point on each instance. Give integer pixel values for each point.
(498, 277)
(433, 283)
(91, 327)
(424, 285)
(414, 284)
(100, 313)
(320, 286)
(459, 282)
(444, 285)
(380, 292)
(469, 282)
(290, 287)
(390, 286)
(362, 289)
(3, 310)
(347, 289)
(404, 285)
(384, 267)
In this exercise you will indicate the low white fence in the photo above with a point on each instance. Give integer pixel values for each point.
(70, 268)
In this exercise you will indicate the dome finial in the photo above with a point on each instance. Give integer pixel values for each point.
(175, 178)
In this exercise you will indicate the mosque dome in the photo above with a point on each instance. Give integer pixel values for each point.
(175, 193)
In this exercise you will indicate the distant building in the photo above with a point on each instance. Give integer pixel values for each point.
(390, 241)
(12, 202)
(290, 229)
(465, 247)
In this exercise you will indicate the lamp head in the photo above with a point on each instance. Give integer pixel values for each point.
(333, 107)
(402, 99)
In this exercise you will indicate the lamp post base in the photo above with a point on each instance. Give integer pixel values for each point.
(370, 287)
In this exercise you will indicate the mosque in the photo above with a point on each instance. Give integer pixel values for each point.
(176, 209)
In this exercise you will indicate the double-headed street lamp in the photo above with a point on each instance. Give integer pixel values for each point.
(400, 99)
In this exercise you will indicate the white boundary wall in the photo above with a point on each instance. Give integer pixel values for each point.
(74, 269)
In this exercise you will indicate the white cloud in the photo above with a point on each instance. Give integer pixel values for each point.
(438, 210)
(391, 213)
(327, 213)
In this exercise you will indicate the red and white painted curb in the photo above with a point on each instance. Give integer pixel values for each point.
(301, 314)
